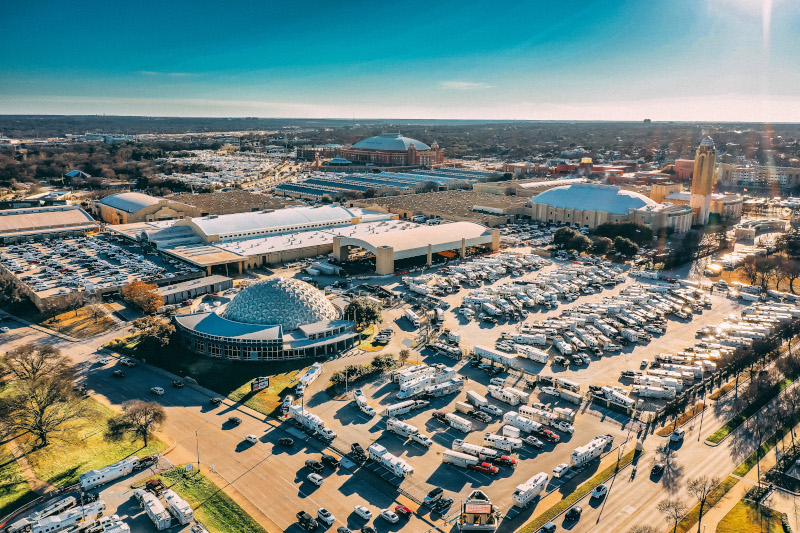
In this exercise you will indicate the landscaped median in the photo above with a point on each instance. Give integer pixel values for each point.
(765, 447)
(585, 488)
(748, 517)
(688, 522)
(720, 434)
(217, 511)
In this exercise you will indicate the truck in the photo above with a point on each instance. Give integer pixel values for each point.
(567, 384)
(178, 507)
(534, 354)
(448, 387)
(476, 399)
(538, 415)
(500, 394)
(524, 338)
(412, 317)
(505, 359)
(407, 374)
(313, 372)
(463, 460)
(422, 439)
(101, 476)
(481, 452)
(562, 346)
(491, 309)
(629, 334)
(464, 407)
(306, 521)
(391, 462)
(583, 455)
(68, 518)
(646, 391)
(459, 423)
(400, 408)
(156, 511)
(526, 492)
(309, 421)
(501, 442)
(401, 428)
(523, 396)
(523, 424)
(572, 397)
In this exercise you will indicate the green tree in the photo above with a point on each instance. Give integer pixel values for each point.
(635, 231)
(154, 332)
(363, 311)
(601, 245)
(10, 293)
(626, 247)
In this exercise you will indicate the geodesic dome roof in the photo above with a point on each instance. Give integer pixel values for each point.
(287, 302)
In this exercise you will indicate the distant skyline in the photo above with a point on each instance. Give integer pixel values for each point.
(701, 60)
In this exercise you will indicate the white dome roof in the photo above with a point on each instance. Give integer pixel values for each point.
(594, 197)
(390, 141)
(287, 302)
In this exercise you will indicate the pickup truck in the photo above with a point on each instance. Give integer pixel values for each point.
(505, 461)
(486, 468)
(565, 427)
(480, 416)
(549, 435)
(533, 441)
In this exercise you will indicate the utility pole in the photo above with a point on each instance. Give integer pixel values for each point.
(197, 442)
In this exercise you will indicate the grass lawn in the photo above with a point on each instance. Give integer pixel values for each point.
(60, 463)
(228, 378)
(768, 444)
(688, 522)
(745, 518)
(79, 323)
(747, 412)
(366, 344)
(568, 501)
(215, 509)
(14, 489)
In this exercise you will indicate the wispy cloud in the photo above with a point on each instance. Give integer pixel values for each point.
(464, 85)
(171, 74)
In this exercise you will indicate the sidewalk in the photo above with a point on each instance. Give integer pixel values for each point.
(38, 486)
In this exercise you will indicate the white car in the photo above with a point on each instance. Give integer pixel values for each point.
(500, 382)
(560, 470)
(104, 360)
(363, 512)
(316, 479)
(252, 439)
(565, 427)
(599, 491)
(4, 330)
(368, 410)
(389, 516)
(492, 410)
(325, 515)
(157, 390)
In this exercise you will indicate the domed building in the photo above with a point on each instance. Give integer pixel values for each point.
(274, 319)
(386, 149)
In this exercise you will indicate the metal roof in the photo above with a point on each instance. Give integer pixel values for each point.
(130, 202)
(62, 217)
(594, 197)
(390, 141)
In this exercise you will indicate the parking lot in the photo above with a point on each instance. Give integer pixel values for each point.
(58, 267)
(352, 425)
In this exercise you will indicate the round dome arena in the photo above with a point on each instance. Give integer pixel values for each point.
(390, 141)
(287, 302)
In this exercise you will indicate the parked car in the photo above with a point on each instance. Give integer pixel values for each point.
(434, 495)
(560, 470)
(330, 460)
(177, 384)
(442, 504)
(104, 360)
(215, 401)
(235, 420)
(252, 439)
(363, 512)
(118, 374)
(657, 469)
(325, 516)
(549, 527)
(286, 441)
(157, 390)
(316, 479)
(314, 466)
(130, 363)
(389, 516)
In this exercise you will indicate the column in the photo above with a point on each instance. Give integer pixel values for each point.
(463, 251)
(430, 255)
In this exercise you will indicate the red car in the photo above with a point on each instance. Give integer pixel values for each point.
(504, 460)
(403, 511)
(549, 435)
(486, 468)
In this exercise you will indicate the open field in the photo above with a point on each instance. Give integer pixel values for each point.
(688, 522)
(747, 517)
(14, 489)
(80, 323)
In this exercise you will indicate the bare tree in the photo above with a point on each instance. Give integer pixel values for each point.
(673, 510)
(96, 311)
(643, 529)
(32, 362)
(405, 353)
(701, 488)
(760, 426)
(143, 418)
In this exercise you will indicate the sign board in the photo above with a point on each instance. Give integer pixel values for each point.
(189, 467)
(260, 383)
(478, 508)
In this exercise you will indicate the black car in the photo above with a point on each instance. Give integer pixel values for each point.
(330, 460)
(215, 401)
(6, 318)
(441, 505)
(342, 529)
(177, 384)
(439, 415)
(475, 362)
(574, 513)
(657, 469)
(235, 420)
(368, 529)
(118, 374)
(286, 441)
(357, 449)
(314, 466)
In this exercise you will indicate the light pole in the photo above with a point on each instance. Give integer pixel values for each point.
(197, 442)
(703, 412)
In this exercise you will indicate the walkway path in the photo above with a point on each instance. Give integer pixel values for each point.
(37, 485)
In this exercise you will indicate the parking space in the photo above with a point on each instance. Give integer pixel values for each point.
(58, 267)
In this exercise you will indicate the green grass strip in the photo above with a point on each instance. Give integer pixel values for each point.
(747, 412)
(585, 488)
(688, 521)
(215, 509)
(762, 450)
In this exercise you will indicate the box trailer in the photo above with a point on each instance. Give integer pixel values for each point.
(178, 507)
(476, 399)
(583, 455)
(407, 374)
(528, 491)
(538, 415)
(505, 359)
(562, 346)
(448, 387)
(523, 424)
(563, 383)
(500, 394)
(413, 318)
(511, 431)
(645, 391)
(68, 518)
(391, 462)
(501, 442)
(534, 354)
(572, 397)
(101, 476)
(524, 397)
(481, 452)
(523, 338)
(564, 413)
(401, 428)
(399, 408)
(464, 407)
(313, 372)
(156, 511)
(463, 460)
(617, 397)
(459, 423)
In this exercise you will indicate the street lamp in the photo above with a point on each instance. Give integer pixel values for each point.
(197, 442)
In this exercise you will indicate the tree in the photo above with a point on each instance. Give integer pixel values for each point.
(33, 362)
(43, 407)
(701, 488)
(143, 418)
(643, 529)
(749, 270)
(562, 236)
(405, 353)
(635, 231)
(96, 311)
(142, 295)
(791, 271)
(601, 245)
(363, 311)
(155, 333)
(10, 293)
(625, 247)
(673, 510)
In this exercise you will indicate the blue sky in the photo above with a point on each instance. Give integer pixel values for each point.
(535, 59)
